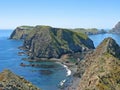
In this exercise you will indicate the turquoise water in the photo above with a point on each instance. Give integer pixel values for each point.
(9, 59)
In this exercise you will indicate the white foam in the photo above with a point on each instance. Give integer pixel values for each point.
(68, 73)
(68, 70)
(62, 82)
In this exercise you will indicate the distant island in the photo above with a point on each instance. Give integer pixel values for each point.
(91, 31)
(116, 28)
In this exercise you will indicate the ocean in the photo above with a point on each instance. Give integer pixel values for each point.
(46, 75)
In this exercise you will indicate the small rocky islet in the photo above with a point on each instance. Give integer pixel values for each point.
(98, 70)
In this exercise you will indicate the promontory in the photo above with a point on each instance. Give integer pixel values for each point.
(48, 42)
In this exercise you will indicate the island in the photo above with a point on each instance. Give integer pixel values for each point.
(90, 31)
(48, 42)
(116, 28)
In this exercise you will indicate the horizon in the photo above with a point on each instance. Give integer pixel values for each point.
(103, 14)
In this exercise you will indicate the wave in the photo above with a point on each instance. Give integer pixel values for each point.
(62, 82)
(68, 70)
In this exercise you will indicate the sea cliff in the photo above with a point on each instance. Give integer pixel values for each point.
(49, 42)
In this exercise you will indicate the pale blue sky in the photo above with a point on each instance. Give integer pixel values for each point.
(60, 13)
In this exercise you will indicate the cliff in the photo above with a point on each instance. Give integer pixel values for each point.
(10, 81)
(100, 70)
(21, 32)
(49, 42)
(116, 29)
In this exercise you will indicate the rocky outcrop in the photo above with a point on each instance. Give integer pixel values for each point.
(116, 29)
(21, 32)
(100, 70)
(49, 42)
(10, 81)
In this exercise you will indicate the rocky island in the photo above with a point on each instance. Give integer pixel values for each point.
(116, 28)
(49, 42)
(10, 81)
(90, 31)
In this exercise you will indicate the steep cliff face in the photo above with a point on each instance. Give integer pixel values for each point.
(10, 81)
(116, 29)
(48, 42)
(21, 32)
(101, 69)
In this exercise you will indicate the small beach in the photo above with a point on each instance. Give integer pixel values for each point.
(71, 82)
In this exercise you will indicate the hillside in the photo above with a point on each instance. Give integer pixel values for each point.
(10, 81)
(49, 42)
(100, 70)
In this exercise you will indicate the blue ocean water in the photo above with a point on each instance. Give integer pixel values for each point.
(97, 39)
(9, 59)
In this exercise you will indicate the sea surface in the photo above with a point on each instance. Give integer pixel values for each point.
(98, 38)
(41, 76)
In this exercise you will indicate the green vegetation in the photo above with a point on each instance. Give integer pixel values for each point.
(101, 68)
(47, 42)
(10, 81)
(86, 31)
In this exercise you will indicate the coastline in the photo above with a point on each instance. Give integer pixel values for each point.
(72, 82)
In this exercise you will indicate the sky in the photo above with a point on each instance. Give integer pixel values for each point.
(59, 13)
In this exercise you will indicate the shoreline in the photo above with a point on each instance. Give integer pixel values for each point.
(70, 82)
